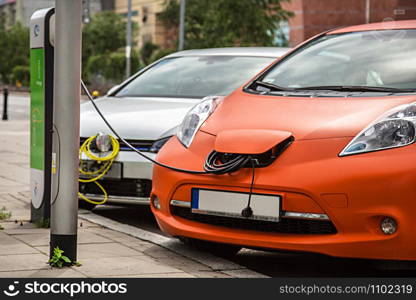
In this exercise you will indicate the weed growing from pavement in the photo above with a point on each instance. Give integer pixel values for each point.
(4, 215)
(59, 260)
(43, 223)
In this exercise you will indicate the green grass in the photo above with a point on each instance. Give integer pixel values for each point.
(43, 223)
(4, 214)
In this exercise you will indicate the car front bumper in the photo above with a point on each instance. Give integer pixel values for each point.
(355, 192)
(127, 183)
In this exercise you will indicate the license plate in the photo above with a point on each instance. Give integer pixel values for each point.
(114, 172)
(230, 204)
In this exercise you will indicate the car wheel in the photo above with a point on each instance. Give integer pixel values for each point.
(85, 205)
(224, 250)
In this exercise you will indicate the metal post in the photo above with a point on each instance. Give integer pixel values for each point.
(128, 40)
(5, 97)
(182, 26)
(86, 15)
(67, 93)
(367, 11)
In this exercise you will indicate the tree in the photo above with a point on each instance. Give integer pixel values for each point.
(21, 75)
(106, 70)
(146, 52)
(223, 23)
(105, 34)
(14, 47)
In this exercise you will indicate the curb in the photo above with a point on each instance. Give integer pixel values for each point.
(207, 259)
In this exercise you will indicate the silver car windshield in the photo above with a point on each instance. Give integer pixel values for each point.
(385, 58)
(195, 76)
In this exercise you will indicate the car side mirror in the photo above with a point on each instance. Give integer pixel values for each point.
(112, 90)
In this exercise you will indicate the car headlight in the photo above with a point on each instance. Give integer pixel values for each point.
(195, 118)
(157, 145)
(395, 129)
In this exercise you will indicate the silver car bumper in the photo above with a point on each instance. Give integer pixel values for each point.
(120, 199)
(128, 170)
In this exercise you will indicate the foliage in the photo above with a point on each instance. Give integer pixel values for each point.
(105, 70)
(147, 51)
(222, 23)
(21, 75)
(43, 223)
(161, 53)
(102, 39)
(4, 214)
(59, 260)
(14, 45)
(106, 32)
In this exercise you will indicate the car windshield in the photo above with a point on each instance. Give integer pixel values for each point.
(195, 76)
(383, 59)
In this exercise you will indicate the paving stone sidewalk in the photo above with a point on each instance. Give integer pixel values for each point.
(102, 252)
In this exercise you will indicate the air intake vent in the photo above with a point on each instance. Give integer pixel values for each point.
(286, 225)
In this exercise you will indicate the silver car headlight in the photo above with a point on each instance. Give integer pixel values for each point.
(395, 129)
(195, 118)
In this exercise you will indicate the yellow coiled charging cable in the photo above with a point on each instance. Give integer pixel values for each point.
(106, 161)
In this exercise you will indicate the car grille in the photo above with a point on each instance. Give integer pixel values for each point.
(114, 187)
(285, 225)
(141, 145)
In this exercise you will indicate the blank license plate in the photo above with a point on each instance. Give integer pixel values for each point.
(230, 204)
(115, 171)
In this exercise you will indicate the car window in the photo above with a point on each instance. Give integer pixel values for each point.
(385, 58)
(195, 76)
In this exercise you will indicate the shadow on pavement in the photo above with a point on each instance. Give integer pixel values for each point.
(274, 264)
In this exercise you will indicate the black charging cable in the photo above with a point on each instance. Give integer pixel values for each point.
(214, 163)
(128, 144)
(212, 167)
(247, 212)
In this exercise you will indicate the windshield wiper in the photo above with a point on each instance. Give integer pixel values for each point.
(358, 88)
(271, 86)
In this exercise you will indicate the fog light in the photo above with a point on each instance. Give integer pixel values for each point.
(155, 201)
(388, 226)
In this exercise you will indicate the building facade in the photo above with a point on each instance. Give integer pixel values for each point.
(146, 14)
(311, 17)
(315, 16)
(12, 11)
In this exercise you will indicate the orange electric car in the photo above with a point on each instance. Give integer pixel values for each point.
(317, 153)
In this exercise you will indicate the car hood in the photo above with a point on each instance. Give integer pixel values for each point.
(304, 117)
(135, 118)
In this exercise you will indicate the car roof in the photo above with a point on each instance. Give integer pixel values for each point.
(235, 51)
(406, 24)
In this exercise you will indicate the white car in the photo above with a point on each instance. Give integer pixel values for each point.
(147, 108)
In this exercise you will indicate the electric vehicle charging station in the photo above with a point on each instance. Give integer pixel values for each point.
(42, 27)
(55, 69)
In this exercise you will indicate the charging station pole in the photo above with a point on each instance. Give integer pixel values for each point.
(67, 94)
(41, 103)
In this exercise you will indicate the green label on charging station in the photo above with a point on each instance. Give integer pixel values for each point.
(37, 109)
